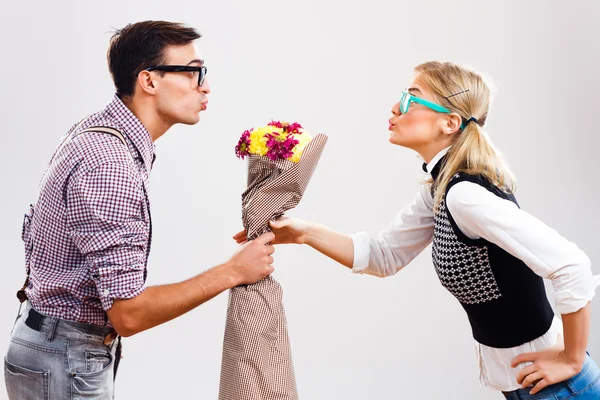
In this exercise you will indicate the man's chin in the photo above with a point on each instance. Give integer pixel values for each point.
(191, 120)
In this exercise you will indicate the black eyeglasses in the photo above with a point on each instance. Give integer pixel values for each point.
(181, 68)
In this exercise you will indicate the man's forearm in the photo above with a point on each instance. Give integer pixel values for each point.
(159, 304)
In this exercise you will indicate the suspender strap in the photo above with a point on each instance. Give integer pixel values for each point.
(105, 129)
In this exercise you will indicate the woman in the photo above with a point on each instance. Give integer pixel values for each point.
(487, 252)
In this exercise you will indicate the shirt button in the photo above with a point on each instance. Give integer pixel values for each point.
(106, 292)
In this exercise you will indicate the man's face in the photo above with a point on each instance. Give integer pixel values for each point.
(179, 98)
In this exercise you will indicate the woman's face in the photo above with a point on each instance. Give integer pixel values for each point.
(420, 126)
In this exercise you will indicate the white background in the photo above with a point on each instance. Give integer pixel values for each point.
(336, 67)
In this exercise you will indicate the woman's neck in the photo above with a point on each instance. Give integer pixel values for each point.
(430, 152)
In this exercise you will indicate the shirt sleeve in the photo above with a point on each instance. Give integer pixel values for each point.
(478, 213)
(395, 247)
(105, 218)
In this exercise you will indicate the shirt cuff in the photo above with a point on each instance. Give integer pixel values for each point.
(107, 301)
(362, 251)
(568, 302)
(113, 283)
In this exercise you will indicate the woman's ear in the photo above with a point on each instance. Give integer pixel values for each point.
(452, 124)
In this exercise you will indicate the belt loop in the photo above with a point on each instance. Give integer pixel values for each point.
(52, 322)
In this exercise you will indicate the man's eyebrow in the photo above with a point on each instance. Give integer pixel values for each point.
(198, 61)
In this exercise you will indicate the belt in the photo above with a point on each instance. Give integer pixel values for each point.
(34, 320)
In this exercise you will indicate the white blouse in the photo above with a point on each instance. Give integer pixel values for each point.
(479, 213)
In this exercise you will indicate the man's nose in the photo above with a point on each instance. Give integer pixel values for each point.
(205, 88)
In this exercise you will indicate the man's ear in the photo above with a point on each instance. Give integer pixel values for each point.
(146, 82)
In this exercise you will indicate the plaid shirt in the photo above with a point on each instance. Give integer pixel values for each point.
(87, 238)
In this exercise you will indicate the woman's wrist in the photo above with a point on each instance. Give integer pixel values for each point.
(311, 233)
(575, 358)
(576, 328)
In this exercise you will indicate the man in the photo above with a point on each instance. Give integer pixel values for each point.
(88, 237)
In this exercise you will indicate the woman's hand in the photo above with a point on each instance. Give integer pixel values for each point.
(289, 231)
(335, 245)
(286, 230)
(549, 366)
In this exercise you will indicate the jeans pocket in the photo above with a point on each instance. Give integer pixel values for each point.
(96, 361)
(91, 369)
(580, 387)
(23, 383)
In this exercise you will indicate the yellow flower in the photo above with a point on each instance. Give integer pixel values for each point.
(259, 137)
(304, 139)
(258, 142)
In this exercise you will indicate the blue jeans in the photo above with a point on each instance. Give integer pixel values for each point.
(59, 359)
(583, 386)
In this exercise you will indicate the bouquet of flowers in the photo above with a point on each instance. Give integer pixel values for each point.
(257, 361)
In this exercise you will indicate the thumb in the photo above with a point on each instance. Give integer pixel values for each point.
(277, 223)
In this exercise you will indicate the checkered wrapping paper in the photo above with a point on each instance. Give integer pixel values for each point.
(257, 359)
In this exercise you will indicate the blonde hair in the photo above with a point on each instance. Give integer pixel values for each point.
(466, 93)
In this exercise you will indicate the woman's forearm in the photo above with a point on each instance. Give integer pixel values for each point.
(576, 329)
(335, 245)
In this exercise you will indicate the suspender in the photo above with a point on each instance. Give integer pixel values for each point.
(105, 129)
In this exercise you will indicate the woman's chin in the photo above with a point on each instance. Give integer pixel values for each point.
(395, 139)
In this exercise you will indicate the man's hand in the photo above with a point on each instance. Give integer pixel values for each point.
(253, 261)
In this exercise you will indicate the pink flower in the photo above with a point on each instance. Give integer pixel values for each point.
(276, 124)
(280, 150)
(294, 128)
(288, 128)
(243, 147)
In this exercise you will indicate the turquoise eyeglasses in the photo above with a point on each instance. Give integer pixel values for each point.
(407, 98)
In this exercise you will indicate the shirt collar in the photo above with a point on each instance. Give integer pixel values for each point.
(134, 129)
(433, 167)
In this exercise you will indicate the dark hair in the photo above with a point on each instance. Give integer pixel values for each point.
(142, 45)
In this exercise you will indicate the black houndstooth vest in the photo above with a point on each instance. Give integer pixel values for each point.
(504, 299)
